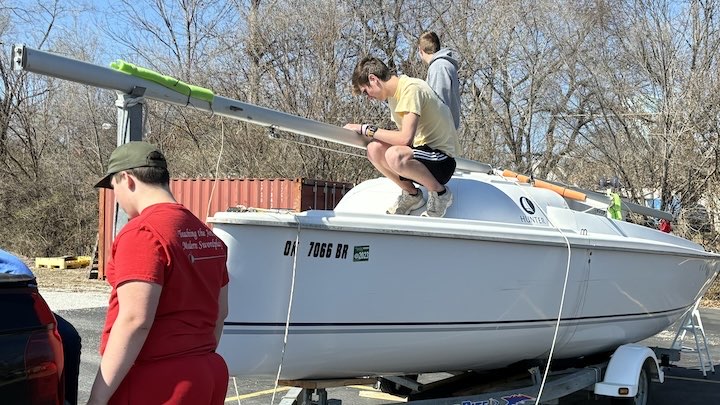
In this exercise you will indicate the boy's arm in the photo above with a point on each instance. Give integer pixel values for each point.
(137, 301)
(404, 136)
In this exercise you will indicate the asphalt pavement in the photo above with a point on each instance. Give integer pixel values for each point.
(684, 382)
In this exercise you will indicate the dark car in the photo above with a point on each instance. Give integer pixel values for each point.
(31, 353)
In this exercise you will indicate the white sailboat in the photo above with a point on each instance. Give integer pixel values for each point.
(372, 294)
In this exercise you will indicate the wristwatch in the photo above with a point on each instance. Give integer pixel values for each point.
(370, 130)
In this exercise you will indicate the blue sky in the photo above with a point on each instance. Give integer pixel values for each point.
(78, 21)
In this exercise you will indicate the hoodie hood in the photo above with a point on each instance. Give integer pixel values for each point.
(446, 54)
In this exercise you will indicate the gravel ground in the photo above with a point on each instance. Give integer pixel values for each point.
(68, 280)
(68, 300)
(71, 289)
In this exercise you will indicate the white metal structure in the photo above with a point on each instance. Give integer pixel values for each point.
(692, 324)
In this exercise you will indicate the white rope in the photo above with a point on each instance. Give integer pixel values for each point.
(320, 147)
(217, 166)
(557, 323)
(562, 298)
(207, 213)
(236, 389)
(287, 320)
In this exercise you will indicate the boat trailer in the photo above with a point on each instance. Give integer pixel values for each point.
(627, 374)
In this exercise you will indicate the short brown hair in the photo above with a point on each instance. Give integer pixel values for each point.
(157, 176)
(366, 67)
(429, 42)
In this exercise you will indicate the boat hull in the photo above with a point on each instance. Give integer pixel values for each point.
(388, 296)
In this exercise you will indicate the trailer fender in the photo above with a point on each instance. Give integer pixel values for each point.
(624, 368)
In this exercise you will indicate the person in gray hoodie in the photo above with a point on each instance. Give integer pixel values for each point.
(442, 75)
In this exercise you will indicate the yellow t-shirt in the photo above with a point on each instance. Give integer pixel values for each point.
(436, 127)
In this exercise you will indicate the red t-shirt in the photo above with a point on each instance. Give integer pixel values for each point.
(167, 245)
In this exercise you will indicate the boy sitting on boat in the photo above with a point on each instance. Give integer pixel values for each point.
(422, 148)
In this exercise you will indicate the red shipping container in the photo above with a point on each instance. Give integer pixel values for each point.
(205, 197)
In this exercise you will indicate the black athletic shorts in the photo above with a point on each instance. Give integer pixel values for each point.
(440, 165)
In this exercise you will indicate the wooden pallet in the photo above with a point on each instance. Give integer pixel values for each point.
(63, 262)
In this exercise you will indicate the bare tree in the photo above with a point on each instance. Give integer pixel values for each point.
(572, 90)
(658, 95)
(47, 205)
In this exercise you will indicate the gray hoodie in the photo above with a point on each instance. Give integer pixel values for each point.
(442, 77)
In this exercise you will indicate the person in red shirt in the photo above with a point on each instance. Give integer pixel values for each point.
(169, 293)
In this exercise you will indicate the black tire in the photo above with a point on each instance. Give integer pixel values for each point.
(643, 394)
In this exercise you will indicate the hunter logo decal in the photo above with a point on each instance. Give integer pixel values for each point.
(361, 253)
(527, 205)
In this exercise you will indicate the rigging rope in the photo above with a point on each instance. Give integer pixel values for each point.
(287, 320)
(217, 166)
(562, 297)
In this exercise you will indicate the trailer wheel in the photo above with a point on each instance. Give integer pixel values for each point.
(641, 398)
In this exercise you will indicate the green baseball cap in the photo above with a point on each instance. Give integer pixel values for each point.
(129, 156)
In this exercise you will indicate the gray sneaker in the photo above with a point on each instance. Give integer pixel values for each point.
(406, 203)
(437, 205)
